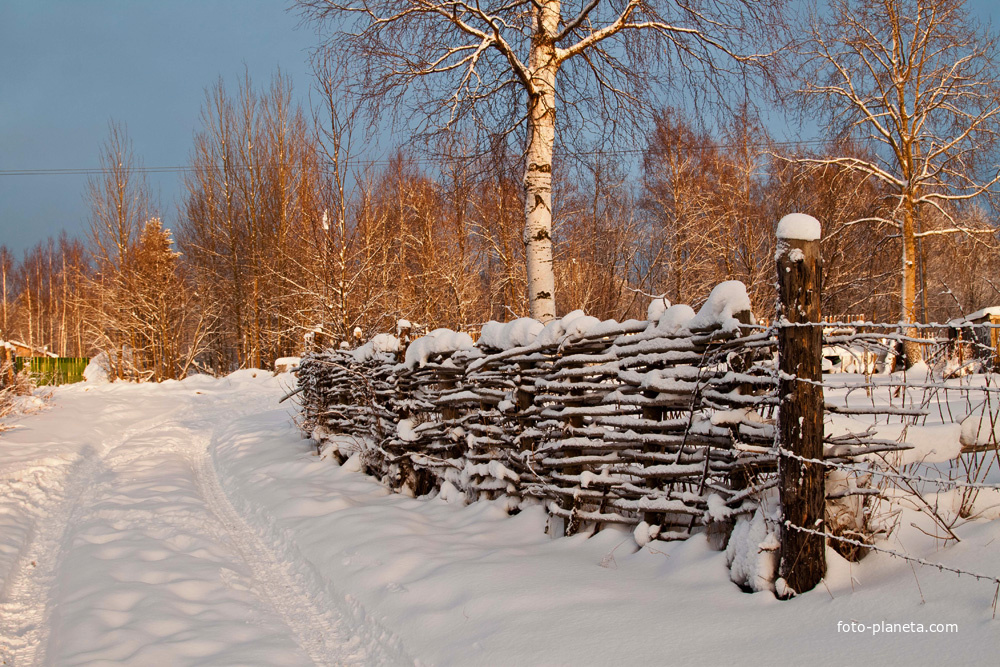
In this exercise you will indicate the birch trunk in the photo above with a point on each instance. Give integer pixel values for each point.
(4, 291)
(542, 66)
(914, 351)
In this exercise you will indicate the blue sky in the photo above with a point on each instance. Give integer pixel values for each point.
(70, 66)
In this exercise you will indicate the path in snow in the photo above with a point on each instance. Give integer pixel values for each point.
(136, 555)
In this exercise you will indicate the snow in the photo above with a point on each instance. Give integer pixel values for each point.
(675, 318)
(508, 335)
(644, 533)
(752, 553)
(799, 226)
(726, 300)
(979, 430)
(572, 325)
(405, 432)
(980, 314)
(931, 443)
(189, 523)
(852, 359)
(735, 417)
(588, 478)
(439, 341)
(12, 345)
(580, 326)
(614, 327)
(656, 308)
(286, 364)
(98, 369)
(379, 344)
(526, 332)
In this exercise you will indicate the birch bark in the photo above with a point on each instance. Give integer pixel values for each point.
(542, 67)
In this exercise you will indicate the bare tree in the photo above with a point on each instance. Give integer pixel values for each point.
(957, 270)
(917, 82)
(680, 179)
(496, 224)
(44, 296)
(253, 189)
(119, 206)
(742, 239)
(860, 274)
(706, 201)
(598, 238)
(506, 66)
(119, 200)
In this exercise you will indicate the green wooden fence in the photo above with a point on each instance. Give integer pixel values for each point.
(53, 370)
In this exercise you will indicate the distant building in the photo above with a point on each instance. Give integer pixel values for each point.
(24, 350)
(982, 330)
(989, 315)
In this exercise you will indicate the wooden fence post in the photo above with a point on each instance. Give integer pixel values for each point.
(800, 420)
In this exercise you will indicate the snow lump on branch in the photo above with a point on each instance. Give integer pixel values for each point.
(439, 341)
(381, 344)
(726, 301)
(508, 335)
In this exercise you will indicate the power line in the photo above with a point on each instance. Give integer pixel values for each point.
(182, 169)
(85, 171)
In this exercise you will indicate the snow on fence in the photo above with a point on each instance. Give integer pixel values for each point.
(671, 426)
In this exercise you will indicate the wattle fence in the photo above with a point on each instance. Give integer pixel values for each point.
(673, 426)
(623, 424)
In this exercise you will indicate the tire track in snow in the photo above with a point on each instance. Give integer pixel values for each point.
(27, 592)
(24, 600)
(323, 630)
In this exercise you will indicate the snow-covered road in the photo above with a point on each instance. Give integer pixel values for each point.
(188, 523)
(131, 552)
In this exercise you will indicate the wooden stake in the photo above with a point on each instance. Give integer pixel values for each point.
(800, 421)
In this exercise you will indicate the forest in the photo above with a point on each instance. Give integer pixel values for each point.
(291, 236)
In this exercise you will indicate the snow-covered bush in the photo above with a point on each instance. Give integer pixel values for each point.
(98, 370)
(15, 388)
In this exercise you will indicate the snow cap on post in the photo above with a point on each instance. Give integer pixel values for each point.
(799, 227)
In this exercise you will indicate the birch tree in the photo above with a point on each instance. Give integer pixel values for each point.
(508, 66)
(6, 266)
(915, 81)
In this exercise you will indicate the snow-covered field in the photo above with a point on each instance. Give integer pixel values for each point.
(188, 523)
